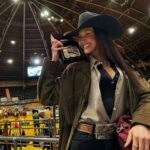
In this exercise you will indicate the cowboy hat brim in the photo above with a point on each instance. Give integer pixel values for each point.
(101, 22)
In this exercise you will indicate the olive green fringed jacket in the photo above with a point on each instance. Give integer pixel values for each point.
(71, 90)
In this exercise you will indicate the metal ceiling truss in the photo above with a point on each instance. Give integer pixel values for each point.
(141, 39)
(40, 30)
(116, 11)
(105, 7)
(49, 22)
(127, 10)
(9, 23)
(2, 4)
(67, 22)
(64, 8)
(6, 9)
(61, 6)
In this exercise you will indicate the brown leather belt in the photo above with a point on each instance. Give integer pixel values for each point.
(100, 131)
(87, 128)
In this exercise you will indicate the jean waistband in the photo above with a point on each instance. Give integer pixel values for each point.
(100, 131)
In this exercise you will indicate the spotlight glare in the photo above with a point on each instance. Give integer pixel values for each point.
(49, 19)
(61, 20)
(15, 1)
(10, 61)
(13, 42)
(131, 30)
(52, 17)
(46, 13)
(42, 14)
(36, 61)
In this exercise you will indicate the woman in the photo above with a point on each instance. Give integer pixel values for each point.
(92, 94)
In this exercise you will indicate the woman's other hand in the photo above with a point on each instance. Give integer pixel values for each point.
(139, 135)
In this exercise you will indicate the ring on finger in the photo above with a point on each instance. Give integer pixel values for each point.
(136, 146)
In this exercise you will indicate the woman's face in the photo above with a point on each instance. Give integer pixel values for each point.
(87, 40)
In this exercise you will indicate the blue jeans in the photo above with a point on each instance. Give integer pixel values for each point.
(85, 141)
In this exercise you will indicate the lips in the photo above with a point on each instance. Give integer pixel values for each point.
(86, 46)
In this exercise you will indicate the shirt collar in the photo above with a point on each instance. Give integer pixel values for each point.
(94, 62)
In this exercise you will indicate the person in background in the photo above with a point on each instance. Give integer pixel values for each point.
(47, 129)
(48, 111)
(5, 113)
(24, 113)
(16, 113)
(92, 94)
(7, 145)
(1, 144)
(36, 122)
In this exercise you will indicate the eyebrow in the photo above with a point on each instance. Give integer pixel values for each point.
(86, 33)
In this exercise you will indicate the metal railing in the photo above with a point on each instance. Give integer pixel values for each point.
(51, 126)
(16, 140)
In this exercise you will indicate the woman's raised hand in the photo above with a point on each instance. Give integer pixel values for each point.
(56, 46)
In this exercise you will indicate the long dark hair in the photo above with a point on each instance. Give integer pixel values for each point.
(115, 53)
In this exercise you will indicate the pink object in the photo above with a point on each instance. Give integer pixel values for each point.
(123, 127)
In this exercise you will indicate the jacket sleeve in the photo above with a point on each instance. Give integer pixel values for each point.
(141, 93)
(48, 83)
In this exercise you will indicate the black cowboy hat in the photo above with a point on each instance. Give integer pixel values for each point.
(102, 22)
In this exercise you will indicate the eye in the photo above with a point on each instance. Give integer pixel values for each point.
(86, 36)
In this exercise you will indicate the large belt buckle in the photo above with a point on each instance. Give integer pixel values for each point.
(99, 130)
(104, 131)
(98, 136)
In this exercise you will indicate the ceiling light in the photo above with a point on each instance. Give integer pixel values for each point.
(61, 20)
(42, 14)
(46, 13)
(49, 19)
(52, 17)
(10, 61)
(131, 30)
(15, 1)
(13, 42)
